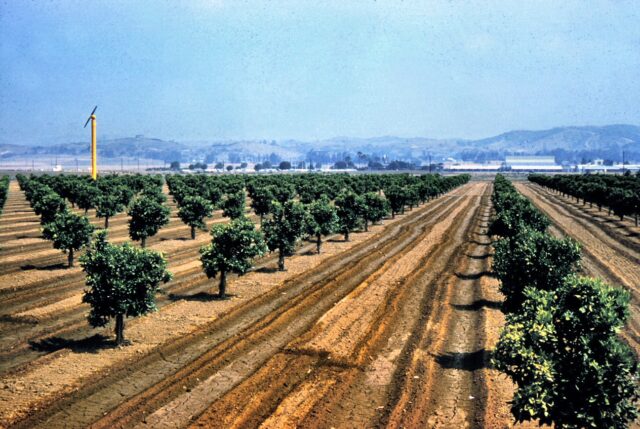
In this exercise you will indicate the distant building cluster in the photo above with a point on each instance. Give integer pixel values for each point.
(543, 164)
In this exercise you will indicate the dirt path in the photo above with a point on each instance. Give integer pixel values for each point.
(604, 255)
(325, 378)
(105, 377)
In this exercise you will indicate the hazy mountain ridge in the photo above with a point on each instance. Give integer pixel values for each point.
(571, 142)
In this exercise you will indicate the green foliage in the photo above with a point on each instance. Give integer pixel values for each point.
(563, 352)
(374, 207)
(108, 204)
(513, 211)
(560, 343)
(147, 217)
(4, 190)
(68, 232)
(397, 198)
(261, 198)
(233, 205)
(284, 227)
(349, 208)
(322, 219)
(48, 206)
(232, 249)
(532, 258)
(122, 280)
(193, 210)
(87, 196)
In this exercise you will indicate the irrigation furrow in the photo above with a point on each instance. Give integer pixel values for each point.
(283, 313)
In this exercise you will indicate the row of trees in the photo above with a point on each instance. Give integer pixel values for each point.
(4, 190)
(559, 344)
(123, 280)
(620, 194)
(50, 197)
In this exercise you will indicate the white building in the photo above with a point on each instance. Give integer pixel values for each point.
(531, 163)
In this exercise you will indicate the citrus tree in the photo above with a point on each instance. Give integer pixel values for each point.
(532, 258)
(261, 198)
(232, 250)
(563, 353)
(321, 220)
(68, 232)
(108, 204)
(233, 205)
(374, 208)
(48, 205)
(192, 210)
(283, 228)
(122, 280)
(147, 217)
(349, 208)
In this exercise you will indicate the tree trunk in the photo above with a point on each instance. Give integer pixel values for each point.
(120, 329)
(366, 225)
(86, 211)
(143, 242)
(393, 214)
(193, 232)
(346, 235)
(222, 289)
(402, 210)
(106, 222)
(636, 219)
(281, 260)
(70, 257)
(319, 241)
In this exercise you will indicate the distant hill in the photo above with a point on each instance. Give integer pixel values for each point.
(566, 143)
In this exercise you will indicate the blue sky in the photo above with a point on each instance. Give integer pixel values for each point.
(208, 70)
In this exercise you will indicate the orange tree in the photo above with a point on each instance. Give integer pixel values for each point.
(321, 220)
(232, 250)
(283, 228)
(68, 232)
(123, 281)
(563, 352)
(148, 215)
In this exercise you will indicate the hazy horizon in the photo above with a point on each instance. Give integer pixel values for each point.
(215, 70)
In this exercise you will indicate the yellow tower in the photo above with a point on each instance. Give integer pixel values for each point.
(94, 148)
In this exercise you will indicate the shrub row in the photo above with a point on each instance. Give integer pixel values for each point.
(559, 344)
(4, 191)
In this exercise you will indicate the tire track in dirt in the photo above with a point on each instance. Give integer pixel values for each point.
(288, 391)
(602, 255)
(201, 356)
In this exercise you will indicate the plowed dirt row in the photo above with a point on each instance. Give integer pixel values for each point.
(603, 217)
(604, 256)
(624, 232)
(254, 309)
(323, 350)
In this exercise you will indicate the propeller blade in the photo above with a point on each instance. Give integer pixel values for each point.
(94, 111)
